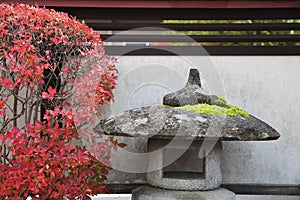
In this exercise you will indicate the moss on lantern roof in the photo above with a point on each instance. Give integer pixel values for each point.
(219, 107)
(230, 110)
(220, 101)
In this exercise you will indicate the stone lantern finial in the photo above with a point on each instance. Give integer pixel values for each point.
(191, 94)
(194, 78)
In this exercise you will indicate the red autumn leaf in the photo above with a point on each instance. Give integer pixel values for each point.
(54, 40)
(52, 91)
(5, 82)
(2, 107)
(50, 94)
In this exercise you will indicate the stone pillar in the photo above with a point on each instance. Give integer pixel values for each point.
(181, 174)
(188, 172)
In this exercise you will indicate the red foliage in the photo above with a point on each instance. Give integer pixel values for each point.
(47, 164)
(48, 58)
(2, 106)
(50, 94)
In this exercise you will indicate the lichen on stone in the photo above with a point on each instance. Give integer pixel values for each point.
(164, 106)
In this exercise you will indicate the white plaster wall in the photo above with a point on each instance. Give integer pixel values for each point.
(266, 86)
(269, 88)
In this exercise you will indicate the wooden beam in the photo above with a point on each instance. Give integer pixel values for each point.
(200, 38)
(179, 13)
(206, 50)
(164, 3)
(196, 27)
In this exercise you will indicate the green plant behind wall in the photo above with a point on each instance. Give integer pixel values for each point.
(244, 32)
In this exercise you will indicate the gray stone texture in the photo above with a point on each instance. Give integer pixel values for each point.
(191, 94)
(212, 171)
(266, 86)
(150, 193)
(160, 122)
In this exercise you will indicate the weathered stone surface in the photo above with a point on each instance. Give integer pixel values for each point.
(158, 122)
(212, 175)
(191, 94)
(150, 193)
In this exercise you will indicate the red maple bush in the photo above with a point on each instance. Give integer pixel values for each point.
(54, 75)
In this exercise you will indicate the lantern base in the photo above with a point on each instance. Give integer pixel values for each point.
(150, 193)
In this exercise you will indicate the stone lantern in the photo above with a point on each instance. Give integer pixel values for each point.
(184, 138)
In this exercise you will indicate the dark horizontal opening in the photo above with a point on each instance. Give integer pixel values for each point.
(196, 27)
(262, 189)
(202, 38)
(207, 50)
(183, 175)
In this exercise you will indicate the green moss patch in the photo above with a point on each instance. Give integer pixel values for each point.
(220, 101)
(219, 107)
(230, 110)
